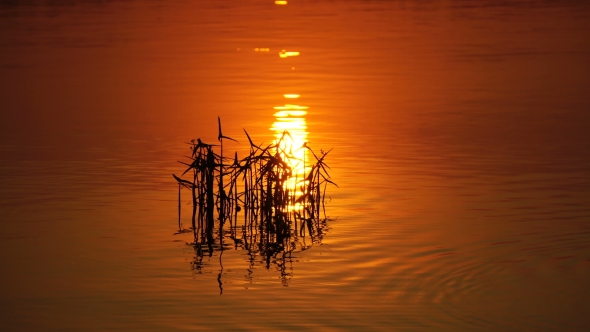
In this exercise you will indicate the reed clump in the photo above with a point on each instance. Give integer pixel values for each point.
(260, 201)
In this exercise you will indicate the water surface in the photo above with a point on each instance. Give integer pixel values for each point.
(460, 136)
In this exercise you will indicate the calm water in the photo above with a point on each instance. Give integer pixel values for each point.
(460, 132)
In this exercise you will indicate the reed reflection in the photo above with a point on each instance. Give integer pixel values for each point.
(268, 203)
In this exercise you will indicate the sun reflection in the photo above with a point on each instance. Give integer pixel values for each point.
(285, 54)
(283, 114)
(290, 107)
(291, 118)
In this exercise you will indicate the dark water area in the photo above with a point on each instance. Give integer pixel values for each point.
(460, 147)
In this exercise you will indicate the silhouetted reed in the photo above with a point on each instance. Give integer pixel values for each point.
(266, 215)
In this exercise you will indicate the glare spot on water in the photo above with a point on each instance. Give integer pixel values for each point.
(286, 54)
(291, 118)
(290, 107)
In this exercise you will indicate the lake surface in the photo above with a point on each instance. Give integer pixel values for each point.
(460, 134)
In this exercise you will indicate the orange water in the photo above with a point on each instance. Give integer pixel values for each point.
(460, 136)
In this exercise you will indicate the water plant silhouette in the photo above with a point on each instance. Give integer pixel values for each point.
(270, 210)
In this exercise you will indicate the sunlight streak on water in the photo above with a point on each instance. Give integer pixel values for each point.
(291, 118)
(286, 54)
